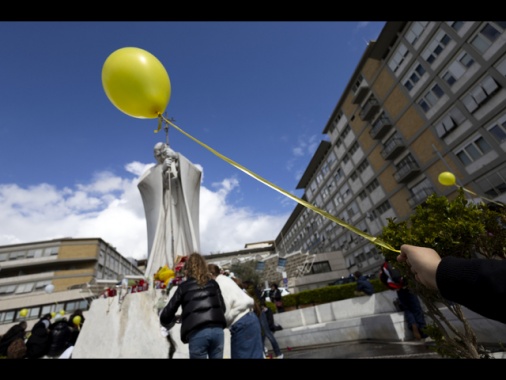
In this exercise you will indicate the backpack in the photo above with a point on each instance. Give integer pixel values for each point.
(17, 349)
(391, 277)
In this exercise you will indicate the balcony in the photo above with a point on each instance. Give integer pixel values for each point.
(420, 197)
(370, 109)
(392, 148)
(406, 172)
(362, 91)
(380, 127)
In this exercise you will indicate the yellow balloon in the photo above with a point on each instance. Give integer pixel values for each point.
(23, 313)
(136, 82)
(76, 320)
(53, 314)
(62, 312)
(446, 179)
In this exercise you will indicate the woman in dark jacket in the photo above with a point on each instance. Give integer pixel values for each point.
(38, 343)
(203, 311)
(60, 335)
(15, 332)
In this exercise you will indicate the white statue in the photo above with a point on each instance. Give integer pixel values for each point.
(170, 192)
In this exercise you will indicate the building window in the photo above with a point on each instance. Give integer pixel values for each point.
(345, 131)
(480, 94)
(363, 166)
(487, 35)
(353, 148)
(457, 69)
(430, 98)
(452, 120)
(457, 25)
(473, 151)
(372, 186)
(320, 267)
(398, 57)
(414, 77)
(498, 130)
(415, 31)
(494, 184)
(384, 207)
(338, 175)
(357, 83)
(362, 195)
(436, 47)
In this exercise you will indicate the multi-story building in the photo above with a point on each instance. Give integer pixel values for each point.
(55, 275)
(426, 97)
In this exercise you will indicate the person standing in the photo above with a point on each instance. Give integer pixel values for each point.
(268, 329)
(364, 287)
(409, 302)
(60, 335)
(203, 311)
(38, 342)
(275, 296)
(243, 323)
(16, 332)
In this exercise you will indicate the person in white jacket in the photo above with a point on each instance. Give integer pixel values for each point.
(245, 331)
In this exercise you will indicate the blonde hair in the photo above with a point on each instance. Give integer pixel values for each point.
(196, 267)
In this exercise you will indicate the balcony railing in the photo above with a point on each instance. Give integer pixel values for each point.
(420, 197)
(370, 109)
(392, 148)
(406, 172)
(362, 91)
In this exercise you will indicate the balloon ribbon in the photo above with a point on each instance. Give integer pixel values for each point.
(323, 213)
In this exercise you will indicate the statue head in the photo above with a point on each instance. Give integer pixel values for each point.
(162, 151)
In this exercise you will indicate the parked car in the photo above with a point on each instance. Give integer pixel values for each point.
(265, 293)
(343, 280)
(350, 278)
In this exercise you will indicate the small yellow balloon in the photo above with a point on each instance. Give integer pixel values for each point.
(76, 320)
(446, 178)
(62, 312)
(53, 314)
(23, 313)
(136, 82)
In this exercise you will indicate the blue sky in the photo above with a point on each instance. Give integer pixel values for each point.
(259, 93)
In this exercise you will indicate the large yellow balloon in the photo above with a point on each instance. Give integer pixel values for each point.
(136, 82)
(446, 178)
(23, 312)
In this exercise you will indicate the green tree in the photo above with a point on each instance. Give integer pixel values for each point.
(453, 228)
(246, 271)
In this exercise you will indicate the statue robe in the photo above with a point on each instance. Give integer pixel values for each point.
(172, 214)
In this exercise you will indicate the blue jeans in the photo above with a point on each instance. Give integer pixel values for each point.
(246, 338)
(413, 311)
(269, 334)
(207, 342)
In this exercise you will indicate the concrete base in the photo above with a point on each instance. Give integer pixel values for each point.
(130, 329)
(366, 318)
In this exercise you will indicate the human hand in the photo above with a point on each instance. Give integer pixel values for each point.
(423, 263)
(164, 331)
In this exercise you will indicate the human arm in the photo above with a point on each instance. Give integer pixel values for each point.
(168, 313)
(478, 284)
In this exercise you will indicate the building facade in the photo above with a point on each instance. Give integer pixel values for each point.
(54, 275)
(426, 97)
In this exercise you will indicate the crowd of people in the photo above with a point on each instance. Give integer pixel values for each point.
(46, 339)
(211, 301)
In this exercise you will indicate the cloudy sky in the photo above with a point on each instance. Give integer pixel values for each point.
(260, 93)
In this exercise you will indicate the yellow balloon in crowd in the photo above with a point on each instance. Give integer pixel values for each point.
(76, 320)
(165, 274)
(446, 178)
(53, 314)
(62, 312)
(23, 312)
(136, 82)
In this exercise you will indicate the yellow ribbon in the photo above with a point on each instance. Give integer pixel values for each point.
(323, 213)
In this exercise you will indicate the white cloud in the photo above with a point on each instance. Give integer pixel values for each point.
(110, 207)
